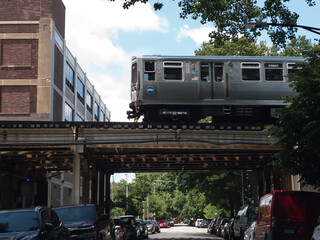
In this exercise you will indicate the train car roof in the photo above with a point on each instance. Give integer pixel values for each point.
(221, 58)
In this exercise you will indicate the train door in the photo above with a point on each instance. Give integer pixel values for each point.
(212, 82)
(220, 82)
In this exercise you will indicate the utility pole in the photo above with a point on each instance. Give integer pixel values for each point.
(127, 193)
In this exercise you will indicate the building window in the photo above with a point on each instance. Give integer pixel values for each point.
(172, 70)
(102, 116)
(68, 112)
(96, 111)
(79, 118)
(70, 77)
(250, 71)
(273, 71)
(80, 90)
(89, 102)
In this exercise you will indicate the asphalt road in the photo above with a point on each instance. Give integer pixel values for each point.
(183, 232)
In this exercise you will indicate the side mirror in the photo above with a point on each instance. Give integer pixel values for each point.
(48, 227)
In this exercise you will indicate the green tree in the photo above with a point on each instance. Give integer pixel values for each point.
(228, 17)
(238, 47)
(211, 211)
(298, 128)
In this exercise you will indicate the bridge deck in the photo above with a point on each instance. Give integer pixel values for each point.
(134, 147)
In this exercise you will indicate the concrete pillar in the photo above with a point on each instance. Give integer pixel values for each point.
(94, 185)
(267, 178)
(101, 192)
(107, 200)
(85, 181)
(254, 186)
(76, 178)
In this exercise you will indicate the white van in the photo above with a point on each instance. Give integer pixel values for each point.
(197, 223)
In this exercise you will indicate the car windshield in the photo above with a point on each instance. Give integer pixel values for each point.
(18, 221)
(147, 222)
(127, 220)
(74, 214)
(117, 222)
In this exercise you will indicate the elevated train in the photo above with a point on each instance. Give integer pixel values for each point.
(228, 88)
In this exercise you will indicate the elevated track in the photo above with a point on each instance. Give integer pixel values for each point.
(134, 147)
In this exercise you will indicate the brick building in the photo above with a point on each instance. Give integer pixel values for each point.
(40, 80)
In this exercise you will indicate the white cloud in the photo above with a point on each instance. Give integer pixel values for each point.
(198, 35)
(92, 29)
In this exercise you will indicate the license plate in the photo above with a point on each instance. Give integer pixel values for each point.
(288, 231)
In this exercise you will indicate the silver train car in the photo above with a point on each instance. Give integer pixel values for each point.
(228, 88)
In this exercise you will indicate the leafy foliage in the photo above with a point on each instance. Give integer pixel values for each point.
(229, 17)
(299, 123)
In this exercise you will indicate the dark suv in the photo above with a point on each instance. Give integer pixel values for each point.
(83, 222)
(41, 223)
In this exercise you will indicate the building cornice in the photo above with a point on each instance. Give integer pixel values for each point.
(18, 22)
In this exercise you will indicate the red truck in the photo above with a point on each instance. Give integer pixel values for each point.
(287, 214)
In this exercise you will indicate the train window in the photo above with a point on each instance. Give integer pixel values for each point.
(172, 70)
(273, 71)
(149, 71)
(218, 72)
(204, 72)
(250, 71)
(292, 68)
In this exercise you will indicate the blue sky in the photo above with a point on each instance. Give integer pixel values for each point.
(103, 36)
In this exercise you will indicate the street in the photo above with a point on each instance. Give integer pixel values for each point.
(183, 232)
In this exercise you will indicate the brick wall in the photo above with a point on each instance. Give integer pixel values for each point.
(19, 10)
(33, 10)
(21, 28)
(18, 99)
(18, 59)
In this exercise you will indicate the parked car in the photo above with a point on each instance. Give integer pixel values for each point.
(83, 221)
(287, 214)
(156, 226)
(220, 226)
(225, 232)
(316, 231)
(41, 223)
(150, 226)
(171, 221)
(203, 224)
(132, 228)
(220, 230)
(197, 222)
(119, 229)
(143, 229)
(164, 224)
(245, 216)
(216, 225)
(211, 226)
(250, 233)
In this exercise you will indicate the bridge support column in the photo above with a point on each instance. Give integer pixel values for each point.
(101, 193)
(108, 200)
(76, 178)
(85, 182)
(94, 185)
